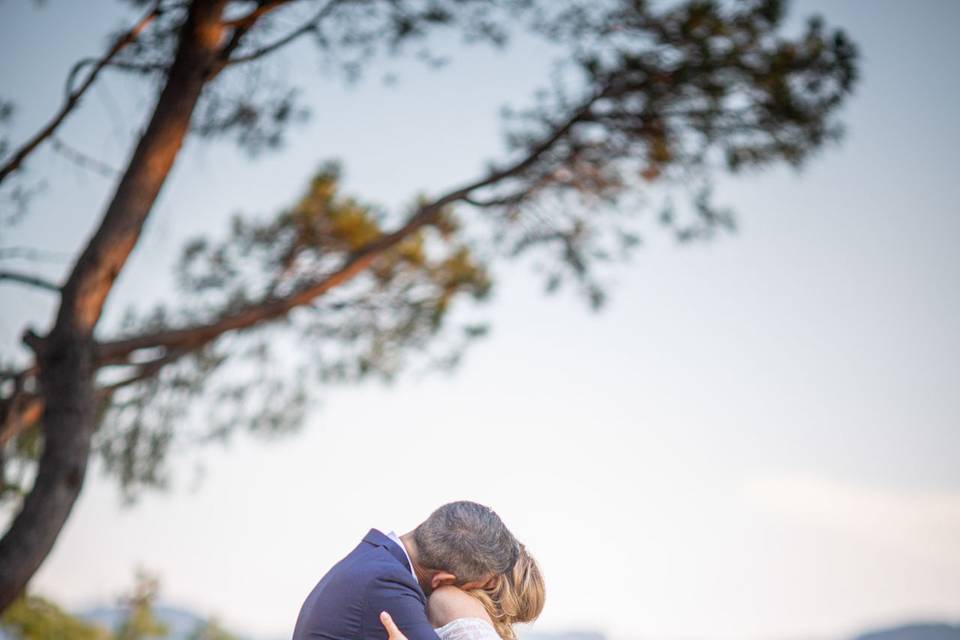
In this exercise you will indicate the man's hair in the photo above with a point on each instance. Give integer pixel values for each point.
(466, 539)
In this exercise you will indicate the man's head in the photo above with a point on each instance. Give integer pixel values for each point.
(464, 544)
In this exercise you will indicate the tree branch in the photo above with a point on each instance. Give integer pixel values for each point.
(23, 409)
(29, 253)
(33, 281)
(144, 371)
(241, 26)
(275, 307)
(74, 95)
(81, 159)
(20, 410)
(262, 9)
(309, 26)
(124, 65)
(24, 412)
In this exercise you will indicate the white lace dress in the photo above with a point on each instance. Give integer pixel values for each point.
(467, 629)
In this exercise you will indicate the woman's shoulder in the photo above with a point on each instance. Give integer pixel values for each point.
(447, 604)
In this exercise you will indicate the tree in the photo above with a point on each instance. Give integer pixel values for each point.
(649, 96)
(140, 622)
(211, 630)
(34, 618)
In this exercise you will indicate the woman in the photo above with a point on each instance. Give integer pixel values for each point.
(484, 614)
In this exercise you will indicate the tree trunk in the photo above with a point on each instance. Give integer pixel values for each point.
(66, 355)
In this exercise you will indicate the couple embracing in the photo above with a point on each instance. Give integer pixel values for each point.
(460, 575)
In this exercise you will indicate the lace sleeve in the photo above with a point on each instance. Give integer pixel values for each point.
(467, 629)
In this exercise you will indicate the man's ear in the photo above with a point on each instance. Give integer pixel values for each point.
(442, 579)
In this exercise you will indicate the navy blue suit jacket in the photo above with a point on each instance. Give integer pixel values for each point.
(346, 603)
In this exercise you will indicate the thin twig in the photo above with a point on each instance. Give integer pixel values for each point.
(81, 159)
(144, 371)
(250, 18)
(309, 26)
(29, 253)
(74, 95)
(33, 281)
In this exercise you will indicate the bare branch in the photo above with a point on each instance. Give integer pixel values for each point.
(74, 95)
(29, 253)
(308, 27)
(139, 67)
(33, 281)
(241, 26)
(262, 9)
(81, 159)
(144, 371)
(512, 199)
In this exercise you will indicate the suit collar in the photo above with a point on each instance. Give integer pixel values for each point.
(380, 539)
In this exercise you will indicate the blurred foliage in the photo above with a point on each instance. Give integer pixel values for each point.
(34, 618)
(251, 104)
(395, 312)
(140, 622)
(652, 99)
(210, 630)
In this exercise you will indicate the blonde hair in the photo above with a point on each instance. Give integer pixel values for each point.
(517, 596)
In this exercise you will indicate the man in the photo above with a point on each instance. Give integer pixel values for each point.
(462, 544)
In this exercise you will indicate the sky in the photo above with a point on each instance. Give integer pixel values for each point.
(757, 438)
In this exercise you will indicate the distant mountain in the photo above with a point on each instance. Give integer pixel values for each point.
(925, 631)
(568, 635)
(181, 623)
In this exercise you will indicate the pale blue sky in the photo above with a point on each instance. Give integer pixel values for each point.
(757, 438)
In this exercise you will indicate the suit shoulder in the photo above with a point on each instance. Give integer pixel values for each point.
(392, 572)
(373, 564)
(387, 574)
